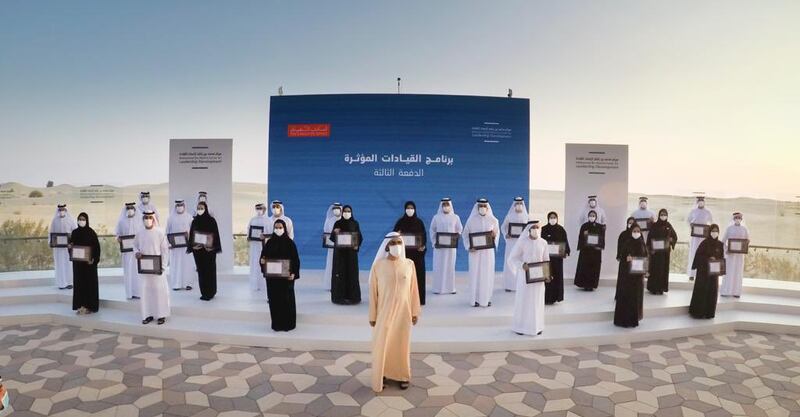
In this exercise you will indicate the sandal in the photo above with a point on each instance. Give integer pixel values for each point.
(147, 320)
(161, 320)
(404, 385)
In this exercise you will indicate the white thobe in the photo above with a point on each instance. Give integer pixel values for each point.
(327, 275)
(182, 270)
(444, 259)
(155, 291)
(509, 278)
(696, 216)
(734, 262)
(125, 227)
(63, 266)
(481, 262)
(257, 280)
(529, 301)
(644, 214)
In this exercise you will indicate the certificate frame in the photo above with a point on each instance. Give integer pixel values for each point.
(452, 238)
(175, 238)
(155, 269)
(560, 253)
(639, 265)
(252, 229)
(122, 240)
(600, 242)
(512, 229)
(546, 275)
(694, 230)
(283, 268)
(744, 246)
(54, 240)
(721, 263)
(209, 239)
(647, 223)
(83, 254)
(327, 243)
(660, 245)
(355, 240)
(488, 242)
(416, 243)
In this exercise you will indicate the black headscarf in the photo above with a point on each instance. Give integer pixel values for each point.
(410, 224)
(207, 224)
(282, 247)
(347, 225)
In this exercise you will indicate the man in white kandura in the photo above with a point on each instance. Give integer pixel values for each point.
(481, 261)
(517, 213)
(644, 213)
(155, 292)
(333, 214)
(62, 223)
(257, 281)
(182, 270)
(734, 262)
(444, 259)
(592, 204)
(128, 225)
(529, 300)
(279, 213)
(145, 204)
(699, 215)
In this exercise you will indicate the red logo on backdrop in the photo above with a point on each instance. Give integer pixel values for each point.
(310, 130)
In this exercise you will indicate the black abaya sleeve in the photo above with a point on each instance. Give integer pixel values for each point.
(673, 237)
(361, 237)
(217, 241)
(581, 240)
(564, 236)
(190, 244)
(294, 264)
(95, 248)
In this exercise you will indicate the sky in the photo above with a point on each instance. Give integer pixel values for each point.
(706, 94)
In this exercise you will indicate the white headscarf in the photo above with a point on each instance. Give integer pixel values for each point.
(511, 210)
(474, 213)
(62, 225)
(330, 218)
(441, 211)
(383, 253)
(732, 223)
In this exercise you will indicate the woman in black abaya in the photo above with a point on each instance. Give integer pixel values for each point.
(345, 288)
(706, 286)
(628, 310)
(554, 232)
(85, 294)
(410, 224)
(205, 257)
(658, 282)
(280, 291)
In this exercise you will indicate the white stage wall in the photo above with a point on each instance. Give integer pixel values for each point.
(600, 170)
(205, 165)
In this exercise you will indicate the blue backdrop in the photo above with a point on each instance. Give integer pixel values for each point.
(376, 151)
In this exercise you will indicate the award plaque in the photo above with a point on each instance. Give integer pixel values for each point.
(557, 249)
(150, 265)
(700, 230)
(638, 265)
(481, 240)
(80, 254)
(254, 233)
(59, 240)
(446, 240)
(515, 229)
(538, 272)
(741, 246)
(277, 268)
(178, 240)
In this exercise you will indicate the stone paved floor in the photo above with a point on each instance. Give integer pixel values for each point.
(67, 371)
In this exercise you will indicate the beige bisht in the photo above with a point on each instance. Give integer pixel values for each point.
(393, 308)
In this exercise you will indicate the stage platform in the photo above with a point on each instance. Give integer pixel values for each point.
(448, 323)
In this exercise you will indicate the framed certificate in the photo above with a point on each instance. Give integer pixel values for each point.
(515, 229)
(716, 267)
(596, 240)
(557, 249)
(126, 243)
(644, 224)
(327, 242)
(80, 254)
(204, 239)
(59, 240)
(538, 272)
(412, 241)
(346, 240)
(178, 240)
(254, 233)
(700, 230)
(276, 268)
(659, 245)
(638, 265)
(481, 240)
(738, 245)
(150, 265)
(445, 240)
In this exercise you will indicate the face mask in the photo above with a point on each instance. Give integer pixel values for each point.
(482, 211)
(518, 208)
(130, 213)
(643, 206)
(737, 221)
(145, 200)
(62, 214)
(259, 212)
(201, 199)
(592, 219)
(447, 209)
(663, 218)
(714, 235)
(701, 205)
(534, 233)
(636, 235)
(279, 232)
(180, 209)
(276, 211)
(148, 223)
(593, 204)
(409, 212)
(347, 215)
(337, 212)
(552, 222)
(82, 223)
(395, 250)
(200, 211)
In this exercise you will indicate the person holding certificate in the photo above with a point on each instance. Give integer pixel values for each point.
(630, 297)
(735, 240)
(558, 245)
(62, 226)
(255, 239)
(660, 241)
(481, 235)
(182, 270)
(346, 235)
(85, 295)
(393, 308)
(445, 230)
(127, 227)
(511, 229)
(699, 217)
(623, 263)
(644, 217)
(590, 237)
(204, 244)
(333, 215)
(152, 242)
(529, 249)
(410, 224)
(280, 284)
(704, 294)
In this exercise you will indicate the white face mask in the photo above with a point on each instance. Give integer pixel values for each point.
(592, 219)
(701, 205)
(534, 233)
(337, 212)
(447, 209)
(714, 235)
(636, 235)
(737, 221)
(148, 223)
(642, 206)
(663, 218)
(180, 209)
(145, 200)
(82, 223)
(593, 204)
(482, 211)
(62, 214)
(276, 211)
(409, 212)
(259, 212)
(518, 208)
(394, 250)
(279, 232)
(200, 211)
(552, 222)
(130, 213)
(202, 199)
(347, 215)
